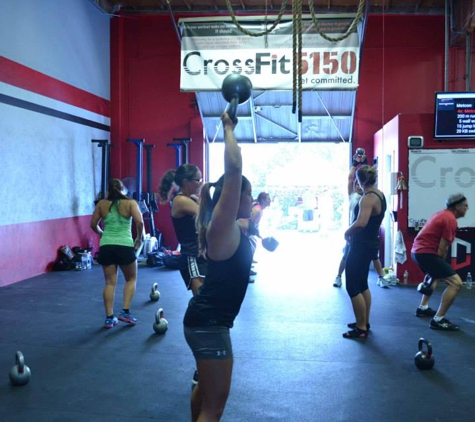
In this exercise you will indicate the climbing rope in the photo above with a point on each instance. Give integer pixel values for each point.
(297, 40)
(350, 29)
(251, 33)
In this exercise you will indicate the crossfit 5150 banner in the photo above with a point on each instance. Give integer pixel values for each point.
(212, 49)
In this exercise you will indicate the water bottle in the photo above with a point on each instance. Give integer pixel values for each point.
(405, 277)
(469, 280)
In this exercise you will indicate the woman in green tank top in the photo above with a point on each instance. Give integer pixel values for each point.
(118, 248)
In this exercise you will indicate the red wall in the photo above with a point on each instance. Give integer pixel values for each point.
(148, 104)
(26, 244)
(402, 66)
(396, 133)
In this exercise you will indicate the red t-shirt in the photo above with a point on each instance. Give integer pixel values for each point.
(441, 225)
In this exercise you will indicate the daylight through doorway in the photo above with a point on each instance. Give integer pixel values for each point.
(307, 183)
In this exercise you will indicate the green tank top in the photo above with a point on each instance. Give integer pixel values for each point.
(117, 229)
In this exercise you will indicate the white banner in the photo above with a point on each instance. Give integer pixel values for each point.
(434, 175)
(211, 50)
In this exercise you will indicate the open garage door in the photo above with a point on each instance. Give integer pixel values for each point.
(307, 183)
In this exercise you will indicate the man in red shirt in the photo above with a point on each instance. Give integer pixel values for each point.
(429, 252)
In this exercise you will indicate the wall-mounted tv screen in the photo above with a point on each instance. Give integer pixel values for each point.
(454, 115)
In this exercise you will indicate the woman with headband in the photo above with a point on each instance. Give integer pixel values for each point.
(429, 252)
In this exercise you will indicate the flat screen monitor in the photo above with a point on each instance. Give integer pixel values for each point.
(454, 115)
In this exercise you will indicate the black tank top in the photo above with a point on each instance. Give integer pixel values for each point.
(185, 230)
(369, 236)
(219, 299)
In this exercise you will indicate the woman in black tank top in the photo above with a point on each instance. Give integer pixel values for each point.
(211, 312)
(363, 237)
(181, 187)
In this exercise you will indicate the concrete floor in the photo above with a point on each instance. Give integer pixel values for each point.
(291, 362)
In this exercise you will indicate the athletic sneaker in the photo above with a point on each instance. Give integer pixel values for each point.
(444, 324)
(127, 317)
(110, 322)
(429, 312)
(337, 282)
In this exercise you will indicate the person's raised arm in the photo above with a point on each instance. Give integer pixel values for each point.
(223, 234)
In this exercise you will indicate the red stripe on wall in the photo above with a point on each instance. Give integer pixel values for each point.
(32, 247)
(24, 77)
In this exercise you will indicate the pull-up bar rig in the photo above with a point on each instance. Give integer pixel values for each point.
(181, 146)
(146, 200)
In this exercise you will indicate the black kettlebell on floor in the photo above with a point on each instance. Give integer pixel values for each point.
(236, 89)
(20, 374)
(424, 360)
(425, 287)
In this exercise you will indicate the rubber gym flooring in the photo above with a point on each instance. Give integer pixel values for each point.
(291, 362)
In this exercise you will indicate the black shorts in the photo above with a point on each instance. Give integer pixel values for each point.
(209, 342)
(192, 267)
(433, 265)
(357, 265)
(116, 255)
(346, 249)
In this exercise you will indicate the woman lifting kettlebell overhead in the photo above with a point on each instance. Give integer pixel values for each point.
(211, 312)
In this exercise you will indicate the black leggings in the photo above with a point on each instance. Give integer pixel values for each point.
(357, 269)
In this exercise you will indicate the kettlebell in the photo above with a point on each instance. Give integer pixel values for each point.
(270, 243)
(236, 89)
(425, 287)
(155, 294)
(160, 326)
(20, 374)
(424, 360)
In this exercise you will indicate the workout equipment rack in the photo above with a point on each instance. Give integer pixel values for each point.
(146, 200)
(181, 146)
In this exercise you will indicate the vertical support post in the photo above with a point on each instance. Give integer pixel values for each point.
(446, 47)
(468, 61)
(148, 150)
(105, 163)
(149, 195)
(138, 189)
(181, 150)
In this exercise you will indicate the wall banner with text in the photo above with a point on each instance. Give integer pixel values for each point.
(212, 49)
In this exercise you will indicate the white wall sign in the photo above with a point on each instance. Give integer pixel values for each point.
(434, 175)
(212, 49)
